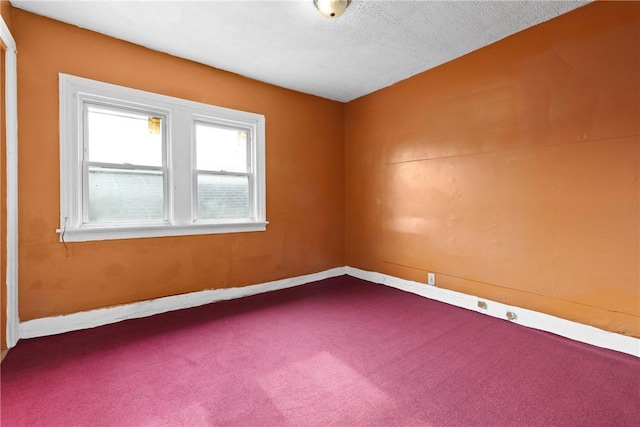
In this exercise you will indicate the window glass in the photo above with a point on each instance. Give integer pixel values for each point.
(221, 149)
(123, 137)
(120, 195)
(223, 197)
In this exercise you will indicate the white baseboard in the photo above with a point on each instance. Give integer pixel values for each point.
(529, 318)
(104, 316)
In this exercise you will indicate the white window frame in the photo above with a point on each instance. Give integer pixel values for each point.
(179, 116)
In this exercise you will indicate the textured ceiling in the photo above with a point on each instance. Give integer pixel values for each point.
(289, 44)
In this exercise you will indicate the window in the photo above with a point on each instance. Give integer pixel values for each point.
(137, 164)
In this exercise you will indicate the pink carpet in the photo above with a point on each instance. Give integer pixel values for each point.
(339, 352)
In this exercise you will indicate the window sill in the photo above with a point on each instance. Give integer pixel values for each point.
(140, 232)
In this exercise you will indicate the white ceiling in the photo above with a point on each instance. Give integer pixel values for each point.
(289, 44)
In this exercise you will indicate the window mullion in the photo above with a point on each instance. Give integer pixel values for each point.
(181, 160)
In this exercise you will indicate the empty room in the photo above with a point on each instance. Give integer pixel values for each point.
(320, 212)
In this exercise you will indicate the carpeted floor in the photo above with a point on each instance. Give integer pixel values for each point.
(338, 352)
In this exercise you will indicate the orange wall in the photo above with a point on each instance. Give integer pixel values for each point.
(305, 180)
(511, 172)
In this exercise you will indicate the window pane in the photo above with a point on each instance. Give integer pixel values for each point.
(121, 136)
(223, 197)
(125, 196)
(221, 149)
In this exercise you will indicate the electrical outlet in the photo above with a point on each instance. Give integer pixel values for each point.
(482, 305)
(431, 279)
(511, 315)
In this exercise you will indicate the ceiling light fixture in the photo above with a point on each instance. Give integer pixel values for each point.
(331, 8)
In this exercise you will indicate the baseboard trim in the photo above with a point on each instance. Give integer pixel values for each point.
(104, 316)
(529, 318)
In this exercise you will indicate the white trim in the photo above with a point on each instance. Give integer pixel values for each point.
(104, 316)
(529, 318)
(133, 232)
(11, 106)
(6, 36)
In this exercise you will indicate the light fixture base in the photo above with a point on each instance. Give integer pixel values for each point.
(331, 8)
